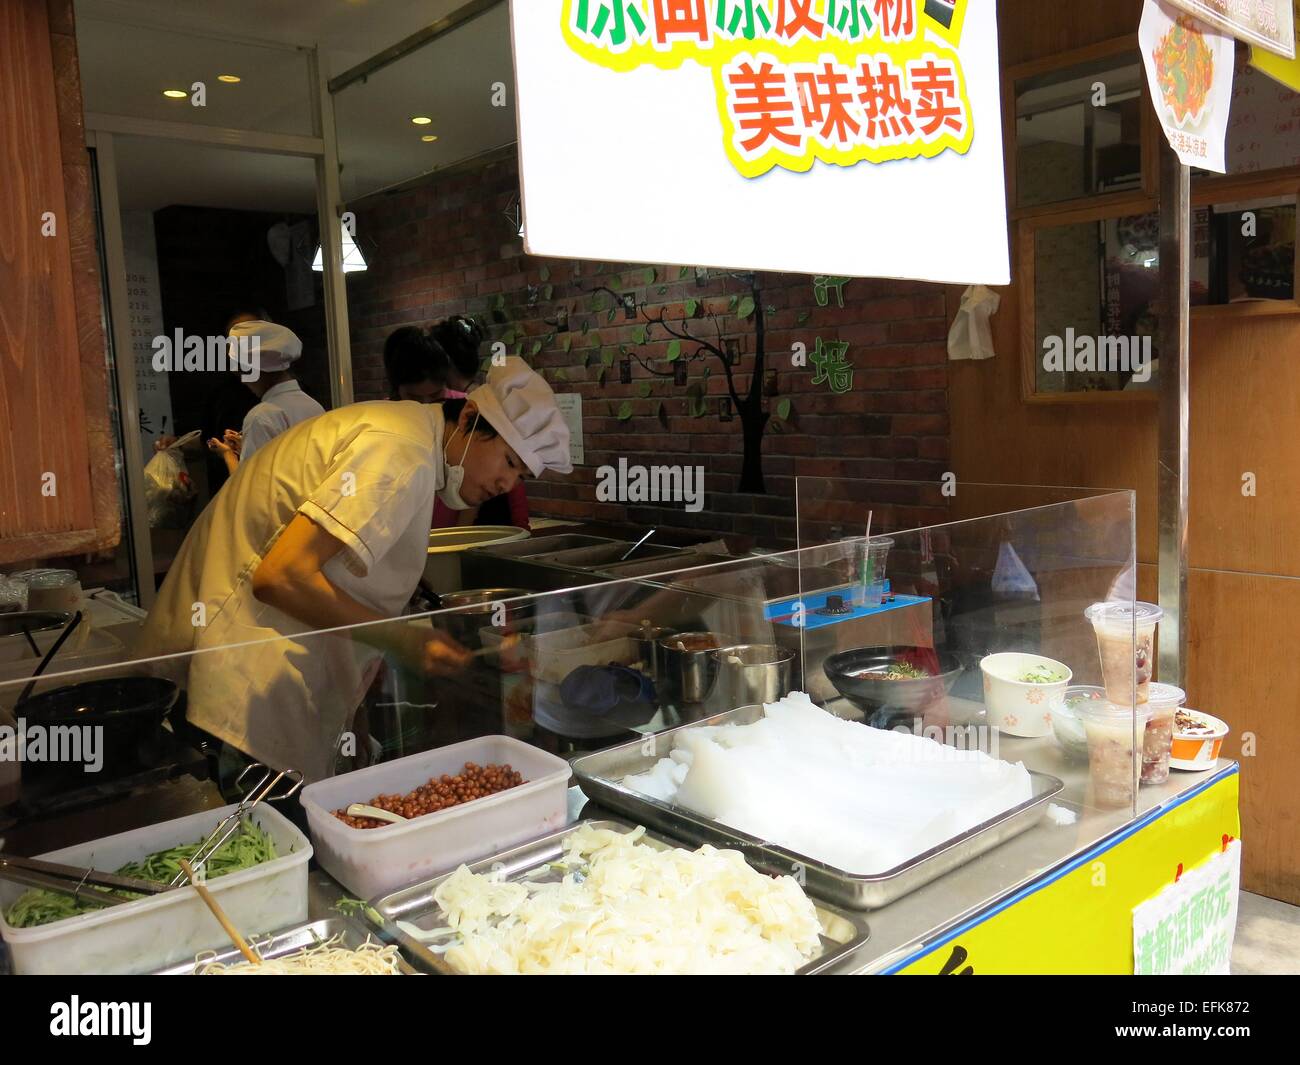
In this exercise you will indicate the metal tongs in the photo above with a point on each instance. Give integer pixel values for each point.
(229, 825)
(82, 884)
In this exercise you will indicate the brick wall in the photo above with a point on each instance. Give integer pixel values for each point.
(447, 247)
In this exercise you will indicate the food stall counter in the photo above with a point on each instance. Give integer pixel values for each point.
(1055, 899)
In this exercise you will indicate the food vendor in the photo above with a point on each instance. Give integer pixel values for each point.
(458, 341)
(326, 527)
(415, 366)
(418, 367)
(461, 338)
(281, 401)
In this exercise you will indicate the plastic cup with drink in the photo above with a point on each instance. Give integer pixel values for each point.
(1126, 640)
(1163, 701)
(1115, 744)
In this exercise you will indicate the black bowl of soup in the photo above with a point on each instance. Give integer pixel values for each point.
(899, 677)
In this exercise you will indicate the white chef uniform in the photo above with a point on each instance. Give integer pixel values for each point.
(368, 474)
(282, 406)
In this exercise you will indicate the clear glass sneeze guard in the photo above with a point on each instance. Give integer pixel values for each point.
(893, 638)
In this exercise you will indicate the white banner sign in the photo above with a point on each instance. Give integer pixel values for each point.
(842, 137)
(1188, 928)
(1189, 71)
(1267, 23)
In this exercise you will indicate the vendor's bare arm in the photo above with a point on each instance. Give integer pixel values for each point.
(291, 578)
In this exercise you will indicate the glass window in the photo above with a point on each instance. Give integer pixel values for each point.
(1078, 131)
(462, 83)
(1254, 250)
(126, 69)
(1100, 280)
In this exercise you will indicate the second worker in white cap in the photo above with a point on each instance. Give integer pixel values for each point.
(326, 527)
(282, 402)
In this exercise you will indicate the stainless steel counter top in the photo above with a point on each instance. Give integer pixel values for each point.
(902, 928)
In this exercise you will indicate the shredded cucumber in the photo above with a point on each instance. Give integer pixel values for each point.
(249, 846)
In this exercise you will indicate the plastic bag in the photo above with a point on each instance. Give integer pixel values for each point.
(169, 492)
(1011, 577)
(971, 336)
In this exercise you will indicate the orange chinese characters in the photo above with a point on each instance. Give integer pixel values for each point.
(681, 19)
(761, 102)
(826, 97)
(896, 19)
(887, 109)
(794, 17)
(938, 106)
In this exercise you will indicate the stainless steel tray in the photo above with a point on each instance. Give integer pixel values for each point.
(841, 932)
(600, 777)
(290, 941)
(543, 545)
(587, 559)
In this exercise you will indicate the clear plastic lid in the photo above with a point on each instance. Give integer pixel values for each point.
(48, 578)
(1104, 712)
(1161, 696)
(1068, 701)
(1141, 614)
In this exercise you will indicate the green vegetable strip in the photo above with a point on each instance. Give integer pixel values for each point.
(249, 846)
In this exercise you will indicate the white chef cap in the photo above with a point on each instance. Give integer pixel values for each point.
(520, 406)
(278, 346)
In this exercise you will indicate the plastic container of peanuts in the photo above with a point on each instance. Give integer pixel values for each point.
(376, 861)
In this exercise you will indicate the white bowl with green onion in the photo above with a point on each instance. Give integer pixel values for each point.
(1019, 689)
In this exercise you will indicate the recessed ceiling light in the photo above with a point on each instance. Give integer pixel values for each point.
(175, 94)
(429, 138)
(422, 120)
(229, 79)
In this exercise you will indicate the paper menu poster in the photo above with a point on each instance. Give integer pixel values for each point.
(1189, 71)
(1264, 130)
(570, 404)
(1189, 927)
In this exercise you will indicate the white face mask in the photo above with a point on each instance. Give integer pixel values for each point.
(450, 492)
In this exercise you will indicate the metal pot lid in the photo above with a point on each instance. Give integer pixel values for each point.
(463, 537)
(479, 597)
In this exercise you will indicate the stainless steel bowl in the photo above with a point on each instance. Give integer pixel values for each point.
(688, 673)
(749, 673)
(647, 639)
(478, 608)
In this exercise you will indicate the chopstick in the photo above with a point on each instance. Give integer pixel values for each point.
(49, 656)
(30, 642)
(220, 915)
(361, 809)
(632, 549)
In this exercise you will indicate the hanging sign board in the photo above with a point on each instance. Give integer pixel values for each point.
(842, 137)
(1189, 72)
(1286, 71)
(1269, 24)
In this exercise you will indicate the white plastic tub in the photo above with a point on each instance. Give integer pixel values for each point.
(376, 861)
(166, 929)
